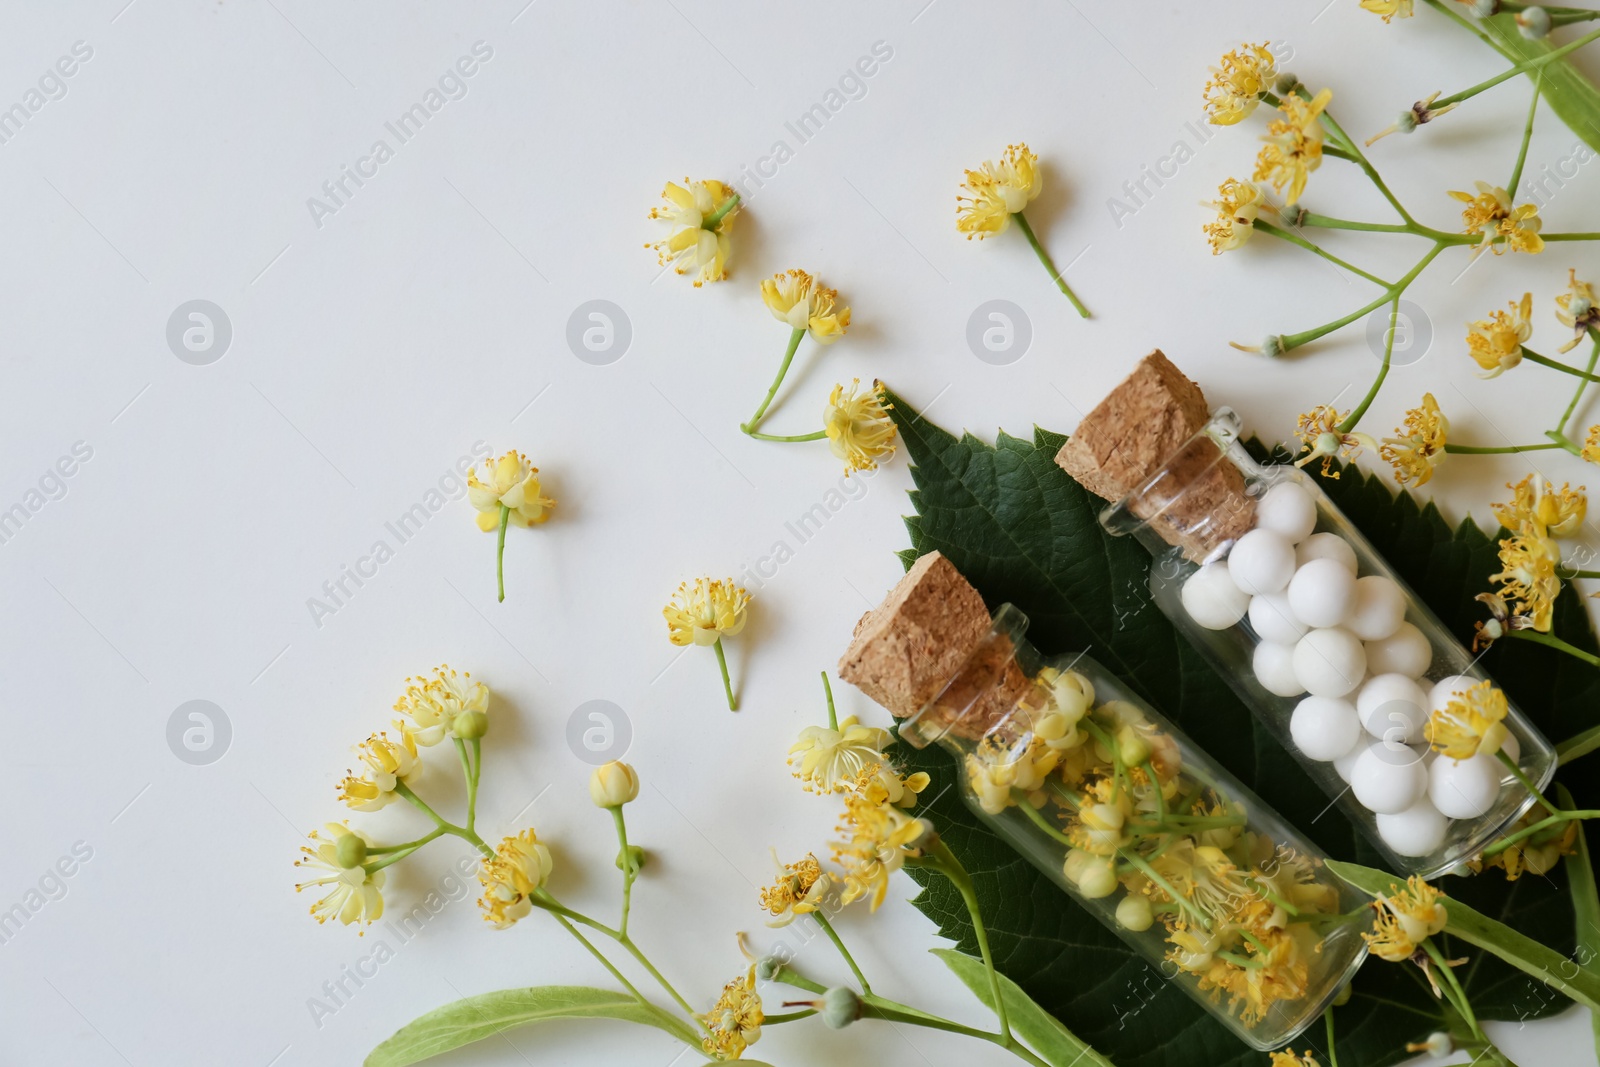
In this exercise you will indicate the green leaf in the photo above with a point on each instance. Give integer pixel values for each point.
(1585, 903)
(1570, 94)
(475, 1018)
(1041, 1031)
(1022, 531)
(1578, 745)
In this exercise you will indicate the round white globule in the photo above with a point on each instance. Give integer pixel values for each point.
(1325, 546)
(1448, 689)
(1262, 561)
(1274, 668)
(1392, 707)
(1405, 651)
(1378, 610)
(1464, 789)
(1273, 619)
(1417, 831)
(1324, 728)
(1330, 662)
(1347, 762)
(1211, 598)
(1322, 593)
(1388, 778)
(1288, 509)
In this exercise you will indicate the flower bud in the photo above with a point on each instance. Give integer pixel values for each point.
(767, 968)
(840, 1007)
(1134, 913)
(1075, 864)
(613, 785)
(1341, 998)
(1438, 1043)
(350, 851)
(1131, 747)
(470, 725)
(1098, 880)
(636, 858)
(1286, 83)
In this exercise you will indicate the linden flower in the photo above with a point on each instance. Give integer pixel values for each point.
(389, 763)
(1537, 504)
(1576, 308)
(1495, 343)
(1531, 854)
(859, 429)
(996, 191)
(1422, 448)
(512, 487)
(1591, 445)
(1318, 430)
(1238, 205)
(801, 888)
(882, 785)
(354, 894)
(734, 1021)
(435, 704)
(520, 866)
(707, 612)
(1389, 9)
(879, 839)
(1405, 919)
(1236, 85)
(1489, 213)
(828, 760)
(1529, 576)
(699, 219)
(796, 299)
(1293, 147)
(1287, 1058)
(1472, 723)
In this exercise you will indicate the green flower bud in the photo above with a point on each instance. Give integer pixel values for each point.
(1133, 913)
(350, 850)
(636, 857)
(767, 968)
(470, 725)
(1131, 746)
(840, 1007)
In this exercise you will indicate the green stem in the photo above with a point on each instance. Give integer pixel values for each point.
(544, 900)
(1295, 340)
(629, 871)
(1459, 999)
(1527, 135)
(838, 943)
(1516, 772)
(1154, 875)
(1354, 417)
(1328, 222)
(713, 220)
(644, 961)
(1571, 574)
(396, 853)
(465, 833)
(1155, 788)
(1295, 239)
(1554, 364)
(1041, 822)
(1498, 450)
(952, 869)
(1555, 642)
(1538, 827)
(1361, 160)
(727, 683)
(500, 552)
(833, 716)
(1515, 69)
(819, 435)
(772, 390)
(1586, 236)
(1327, 1018)
(787, 1017)
(1560, 432)
(1044, 257)
(471, 778)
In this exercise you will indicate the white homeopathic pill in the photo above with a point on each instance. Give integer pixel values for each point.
(1273, 619)
(1405, 651)
(1211, 598)
(1274, 667)
(1329, 662)
(1388, 778)
(1287, 508)
(1325, 546)
(1262, 561)
(1379, 608)
(1322, 593)
(1324, 728)
(1347, 762)
(1448, 689)
(1392, 707)
(1417, 831)
(1464, 789)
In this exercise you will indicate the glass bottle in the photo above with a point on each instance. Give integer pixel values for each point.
(1148, 833)
(1331, 650)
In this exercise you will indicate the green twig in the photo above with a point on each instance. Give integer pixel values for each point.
(1044, 257)
(727, 683)
(772, 390)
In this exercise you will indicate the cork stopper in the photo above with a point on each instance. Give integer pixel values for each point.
(1145, 442)
(913, 646)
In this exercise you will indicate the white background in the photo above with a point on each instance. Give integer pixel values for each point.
(369, 353)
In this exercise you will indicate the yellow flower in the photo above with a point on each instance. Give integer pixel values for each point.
(1287, 1058)
(996, 191)
(1389, 9)
(795, 299)
(1529, 576)
(1539, 506)
(355, 894)
(1318, 430)
(879, 838)
(828, 760)
(1472, 723)
(389, 763)
(1538, 853)
(1236, 85)
(1489, 213)
(520, 866)
(691, 246)
(706, 613)
(882, 784)
(1422, 448)
(859, 428)
(1238, 205)
(1405, 919)
(734, 1021)
(1576, 308)
(801, 887)
(512, 484)
(1495, 343)
(434, 704)
(1591, 445)
(1293, 146)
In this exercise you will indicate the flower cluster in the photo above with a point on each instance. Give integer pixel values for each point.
(1237, 83)
(1293, 145)
(1500, 226)
(1529, 578)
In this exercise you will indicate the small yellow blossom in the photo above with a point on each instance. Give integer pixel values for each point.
(1318, 430)
(1287, 1058)
(1490, 214)
(796, 299)
(801, 887)
(860, 431)
(1293, 147)
(1537, 504)
(1389, 9)
(706, 612)
(1405, 919)
(389, 763)
(1537, 854)
(1422, 448)
(879, 837)
(434, 704)
(1238, 206)
(1591, 445)
(1495, 343)
(354, 894)
(734, 1021)
(1472, 723)
(1237, 83)
(828, 760)
(1529, 576)
(1576, 308)
(513, 484)
(691, 245)
(996, 191)
(520, 866)
(882, 784)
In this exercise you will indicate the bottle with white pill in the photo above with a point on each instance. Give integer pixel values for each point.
(1145, 830)
(1324, 642)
